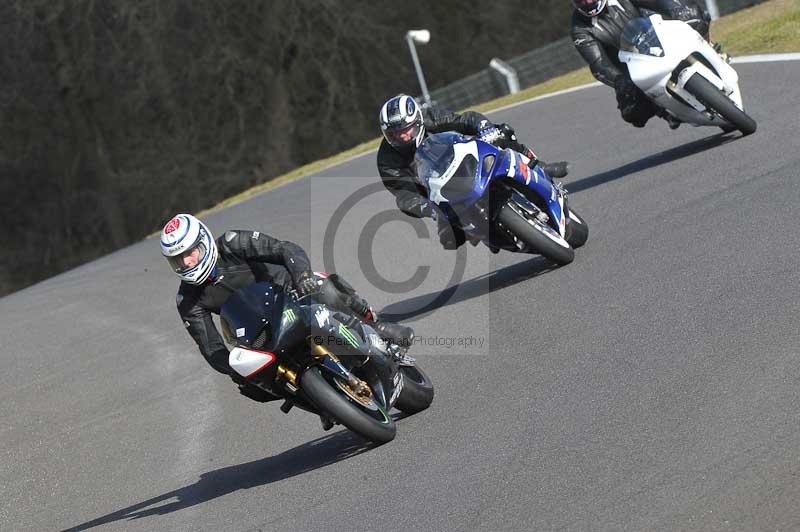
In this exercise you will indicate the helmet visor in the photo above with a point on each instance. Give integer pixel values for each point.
(403, 136)
(590, 8)
(188, 260)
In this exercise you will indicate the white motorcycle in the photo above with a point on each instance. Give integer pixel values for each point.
(682, 73)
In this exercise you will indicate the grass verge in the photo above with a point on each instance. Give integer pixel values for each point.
(770, 27)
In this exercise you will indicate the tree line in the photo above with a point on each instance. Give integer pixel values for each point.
(117, 114)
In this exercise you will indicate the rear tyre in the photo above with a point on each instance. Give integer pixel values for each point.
(542, 238)
(379, 428)
(713, 98)
(577, 232)
(417, 392)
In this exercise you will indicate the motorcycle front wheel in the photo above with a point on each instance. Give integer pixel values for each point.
(541, 238)
(374, 425)
(713, 98)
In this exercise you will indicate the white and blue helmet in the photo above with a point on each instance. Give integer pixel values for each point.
(402, 122)
(181, 234)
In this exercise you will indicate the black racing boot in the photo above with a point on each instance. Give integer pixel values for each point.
(327, 424)
(673, 122)
(394, 333)
(557, 169)
(493, 249)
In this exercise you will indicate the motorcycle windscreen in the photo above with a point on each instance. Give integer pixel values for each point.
(435, 155)
(248, 315)
(639, 37)
(462, 182)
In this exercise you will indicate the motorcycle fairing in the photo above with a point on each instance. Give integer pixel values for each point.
(471, 189)
(356, 341)
(537, 180)
(251, 310)
(658, 75)
(249, 362)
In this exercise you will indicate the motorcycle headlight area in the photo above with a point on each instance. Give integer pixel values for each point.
(232, 339)
(463, 181)
(453, 174)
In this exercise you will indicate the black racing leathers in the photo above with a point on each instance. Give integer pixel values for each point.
(597, 38)
(396, 167)
(245, 257)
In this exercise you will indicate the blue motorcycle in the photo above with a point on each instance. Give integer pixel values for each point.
(496, 198)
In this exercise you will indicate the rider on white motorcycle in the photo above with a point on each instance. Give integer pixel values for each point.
(596, 30)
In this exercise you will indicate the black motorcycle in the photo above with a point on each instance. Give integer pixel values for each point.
(312, 356)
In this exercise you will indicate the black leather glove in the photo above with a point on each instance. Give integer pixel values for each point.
(421, 209)
(490, 133)
(307, 284)
(508, 132)
(427, 210)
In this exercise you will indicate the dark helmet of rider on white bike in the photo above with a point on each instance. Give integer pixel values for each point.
(590, 8)
(402, 122)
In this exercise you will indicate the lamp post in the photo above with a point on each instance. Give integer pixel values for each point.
(713, 9)
(422, 37)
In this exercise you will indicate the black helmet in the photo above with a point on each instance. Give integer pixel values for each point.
(590, 8)
(402, 122)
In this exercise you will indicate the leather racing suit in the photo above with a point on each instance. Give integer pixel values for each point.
(247, 257)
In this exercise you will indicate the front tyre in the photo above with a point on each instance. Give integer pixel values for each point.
(537, 236)
(417, 392)
(577, 231)
(713, 98)
(379, 428)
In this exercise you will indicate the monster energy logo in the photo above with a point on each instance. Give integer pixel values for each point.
(349, 336)
(289, 315)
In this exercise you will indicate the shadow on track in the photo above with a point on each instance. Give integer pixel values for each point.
(419, 306)
(651, 161)
(302, 459)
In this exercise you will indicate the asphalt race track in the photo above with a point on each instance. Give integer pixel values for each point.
(653, 384)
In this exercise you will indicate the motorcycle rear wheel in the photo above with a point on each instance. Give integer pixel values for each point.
(710, 96)
(536, 236)
(417, 392)
(577, 232)
(343, 410)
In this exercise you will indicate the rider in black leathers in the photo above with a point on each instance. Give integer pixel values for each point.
(396, 156)
(596, 30)
(238, 259)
